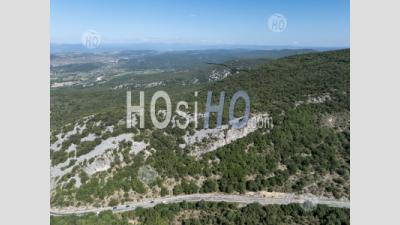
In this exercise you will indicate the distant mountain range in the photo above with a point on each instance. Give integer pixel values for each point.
(79, 48)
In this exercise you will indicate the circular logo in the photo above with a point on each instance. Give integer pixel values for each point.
(91, 39)
(277, 23)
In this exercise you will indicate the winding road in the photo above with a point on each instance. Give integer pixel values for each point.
(269, 198)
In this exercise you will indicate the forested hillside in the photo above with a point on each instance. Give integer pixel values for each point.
(306, 151)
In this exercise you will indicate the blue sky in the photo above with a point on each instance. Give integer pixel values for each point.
(322, 23)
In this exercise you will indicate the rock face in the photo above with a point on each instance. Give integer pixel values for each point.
(318, 99)
(101, 163)
(218, 75)
(62, 137)
(101, 154)
(314, 100)
(207, 140)
(89, 137)
(101, 157)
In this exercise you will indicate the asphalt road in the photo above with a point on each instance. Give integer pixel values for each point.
(280, 199)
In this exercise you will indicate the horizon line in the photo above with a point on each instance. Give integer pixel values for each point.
(200, 44)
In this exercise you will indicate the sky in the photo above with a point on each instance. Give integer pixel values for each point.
(318, 23)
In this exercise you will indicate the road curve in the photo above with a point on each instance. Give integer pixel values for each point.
(277, 198)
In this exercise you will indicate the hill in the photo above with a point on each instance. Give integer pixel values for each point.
(98, 161)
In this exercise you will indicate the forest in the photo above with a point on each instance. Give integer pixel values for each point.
(307, 151)
(189, 213)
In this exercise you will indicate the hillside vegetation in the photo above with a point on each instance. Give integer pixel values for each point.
(306, 151)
